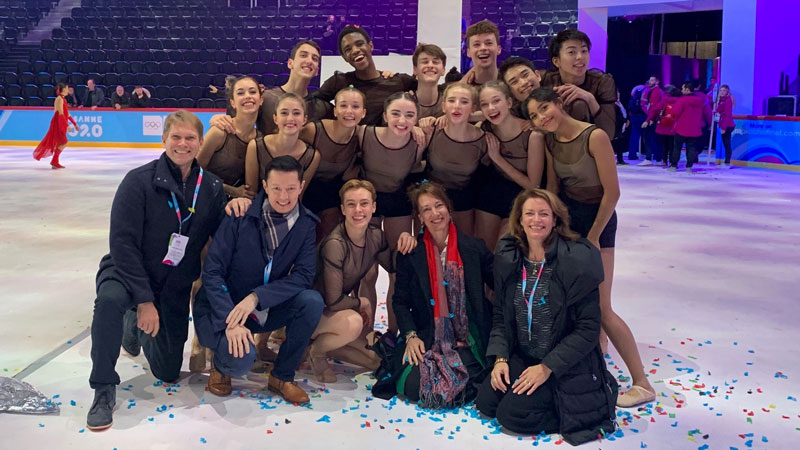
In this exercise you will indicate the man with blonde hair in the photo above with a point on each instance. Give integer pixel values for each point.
(162, 216)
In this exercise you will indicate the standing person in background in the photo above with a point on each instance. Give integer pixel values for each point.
(663, 116)
(223, 154)
(93, 96)
(637, 117)
(337, 144)
(689, 112)
(55, 140)
(303, 66)
(483, 48)
(429, 63)
(651, 99)
(515, 160)
(725, 122)
(455, 152)
(119, 99)
(581, 169)
(588, 95)
(621, 135)
(521, 77)
(356, 48)
(140, 98)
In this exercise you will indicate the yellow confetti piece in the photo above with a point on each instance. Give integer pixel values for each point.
(772, 406)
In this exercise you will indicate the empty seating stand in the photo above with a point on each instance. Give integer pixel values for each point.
(178, 48)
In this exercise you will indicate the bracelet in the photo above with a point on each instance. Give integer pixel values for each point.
(499, 360)
(411, 334)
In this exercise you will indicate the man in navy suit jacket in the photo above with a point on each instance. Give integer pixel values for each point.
(257, 277)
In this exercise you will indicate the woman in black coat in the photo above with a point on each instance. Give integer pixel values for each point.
(549, 374)
(442, 313)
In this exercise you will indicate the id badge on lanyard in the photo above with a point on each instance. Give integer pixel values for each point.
(176, 248)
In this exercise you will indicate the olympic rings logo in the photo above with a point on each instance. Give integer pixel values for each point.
(152, 124)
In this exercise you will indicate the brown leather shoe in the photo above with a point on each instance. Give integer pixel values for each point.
(290, 391)
(218, 383)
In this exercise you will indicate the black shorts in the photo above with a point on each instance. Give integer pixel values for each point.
(582, 217)
(495, 194)
(463, 199)
(322, 195)
(393, 204)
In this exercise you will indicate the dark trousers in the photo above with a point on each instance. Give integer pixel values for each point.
(523, 414)
(636, 135)
(726, 142)
(651, 147)
(667, 142)
(164, 352)
(300, 315)
(474, 371)
(620, 145)
(691, 150)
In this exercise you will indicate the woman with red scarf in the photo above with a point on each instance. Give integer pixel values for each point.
(56, 138)
(442, 312)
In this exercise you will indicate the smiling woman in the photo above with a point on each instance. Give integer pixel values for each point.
(441, 310)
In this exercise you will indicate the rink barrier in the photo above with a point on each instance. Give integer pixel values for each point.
(766, 142)
(102, 127)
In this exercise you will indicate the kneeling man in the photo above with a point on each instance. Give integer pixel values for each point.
(257, 277)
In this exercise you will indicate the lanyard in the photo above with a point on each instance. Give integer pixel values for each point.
(529, 301)
(267, 271)
(194, 202)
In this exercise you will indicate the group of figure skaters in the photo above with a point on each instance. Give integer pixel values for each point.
(490, 201)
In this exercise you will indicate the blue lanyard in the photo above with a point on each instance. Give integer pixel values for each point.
(194, 203)
(529, 301)
(267, 271)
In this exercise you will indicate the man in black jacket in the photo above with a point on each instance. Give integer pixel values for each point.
(93, 96)
(162, 216)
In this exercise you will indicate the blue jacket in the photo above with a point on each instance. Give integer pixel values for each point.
(142, 221)
(234, 267)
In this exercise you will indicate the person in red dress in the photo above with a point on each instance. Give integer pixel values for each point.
(56, 138)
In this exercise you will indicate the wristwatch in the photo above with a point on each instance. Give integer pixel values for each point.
(499, 360)
(411, 334)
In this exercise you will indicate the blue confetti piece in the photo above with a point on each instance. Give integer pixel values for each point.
(72, 403)
(674, 425)
(401, 436)
(764, 439)
(69, 342)
(171, 416)
(791, 398)
(751, 351)
(81, 430)
(203, 440)
(151, 419)
(642, 445)
(433, 302)
(41, 425)
(326, 418)
(703, 447)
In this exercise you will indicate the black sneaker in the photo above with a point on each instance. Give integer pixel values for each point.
(622, 163)
(101, 413)
(130, 333)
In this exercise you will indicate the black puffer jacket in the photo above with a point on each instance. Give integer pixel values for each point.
(586, 393)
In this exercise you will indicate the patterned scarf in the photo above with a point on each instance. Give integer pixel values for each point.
(442, 375)
(277, 225)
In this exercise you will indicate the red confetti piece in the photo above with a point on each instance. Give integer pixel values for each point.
(367, 424)
(269, 431)
(559, 442)
(765, 410)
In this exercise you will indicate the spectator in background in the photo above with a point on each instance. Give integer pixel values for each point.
(303, 66)
(690, 110)
(637, 117)
(71, 98)
(621, 134)
(93, 96)
(725, 121)
(663, 116)
(140, 97)
(119, 99)
(651, 98)
(356, 48)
